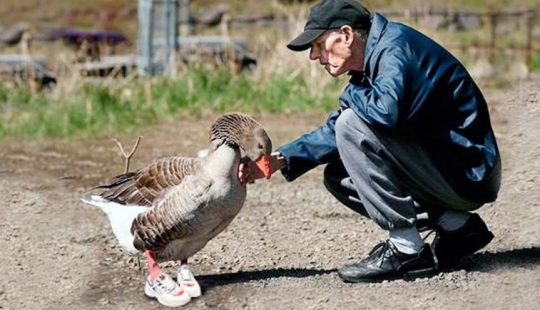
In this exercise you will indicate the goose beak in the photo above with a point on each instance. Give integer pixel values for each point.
(264, 165)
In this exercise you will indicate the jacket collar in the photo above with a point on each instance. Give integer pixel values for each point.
(378, 26)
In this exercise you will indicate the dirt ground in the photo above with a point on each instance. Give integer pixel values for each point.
(283, 249)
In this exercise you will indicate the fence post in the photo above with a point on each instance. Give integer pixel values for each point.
(146, 16)
(173, 35)
(164, 28)
(168, 23)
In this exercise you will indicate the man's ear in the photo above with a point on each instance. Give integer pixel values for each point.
(349, 34)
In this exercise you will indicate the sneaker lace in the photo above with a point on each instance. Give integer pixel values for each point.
(167, 284)
(185, 274)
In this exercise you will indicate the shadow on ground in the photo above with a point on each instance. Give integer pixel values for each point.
(483, 262)
(210, 281)
(487, 261)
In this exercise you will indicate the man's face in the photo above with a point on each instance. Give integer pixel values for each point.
(333, 50)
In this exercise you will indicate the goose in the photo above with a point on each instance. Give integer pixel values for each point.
(171, 208)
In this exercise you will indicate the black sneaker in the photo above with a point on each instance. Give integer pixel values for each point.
(451, 246)
(385, 262)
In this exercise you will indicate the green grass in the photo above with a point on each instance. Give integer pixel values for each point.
(283, 82)
(535, 62)
(94, 109)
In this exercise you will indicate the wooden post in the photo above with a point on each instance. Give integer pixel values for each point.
(146, 25)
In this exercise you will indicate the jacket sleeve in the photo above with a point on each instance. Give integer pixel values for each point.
(380, 100)
(310, 150)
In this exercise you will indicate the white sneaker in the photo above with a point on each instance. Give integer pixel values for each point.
(166, 291)
(187, 281)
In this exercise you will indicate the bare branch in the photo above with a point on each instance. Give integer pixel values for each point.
(128, 156)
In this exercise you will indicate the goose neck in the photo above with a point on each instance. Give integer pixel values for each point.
(224, 160)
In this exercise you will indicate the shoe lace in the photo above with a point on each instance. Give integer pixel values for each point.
(167, 284)
(382, 244)
(389, 250)
(431, 231)
(185, 274)
(386, 251)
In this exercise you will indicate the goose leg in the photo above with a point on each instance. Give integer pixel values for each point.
(153, 266)
(187, 280)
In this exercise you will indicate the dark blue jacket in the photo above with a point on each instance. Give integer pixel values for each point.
(413, 85)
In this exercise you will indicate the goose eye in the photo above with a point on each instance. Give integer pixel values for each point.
(260, 146)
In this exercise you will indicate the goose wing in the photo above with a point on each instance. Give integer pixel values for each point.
(182, 212)
(143, 186)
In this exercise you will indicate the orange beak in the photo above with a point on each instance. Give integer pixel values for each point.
(264, 165)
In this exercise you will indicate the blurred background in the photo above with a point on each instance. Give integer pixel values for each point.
(71, 68)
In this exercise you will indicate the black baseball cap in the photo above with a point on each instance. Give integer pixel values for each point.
(331, 14)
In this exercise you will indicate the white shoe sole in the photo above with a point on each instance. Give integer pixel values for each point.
(168, 302)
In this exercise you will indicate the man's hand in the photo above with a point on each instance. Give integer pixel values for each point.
(248, 172)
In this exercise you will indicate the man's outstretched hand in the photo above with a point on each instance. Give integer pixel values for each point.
(248, 172)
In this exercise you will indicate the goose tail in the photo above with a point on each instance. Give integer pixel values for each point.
(121, 217)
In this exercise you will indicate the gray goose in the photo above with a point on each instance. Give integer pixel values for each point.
(171, 208)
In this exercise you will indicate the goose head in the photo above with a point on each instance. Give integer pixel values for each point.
(239, 130)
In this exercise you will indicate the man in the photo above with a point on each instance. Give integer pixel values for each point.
(412, 137)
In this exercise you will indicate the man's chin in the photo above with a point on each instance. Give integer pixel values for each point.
(334, 73)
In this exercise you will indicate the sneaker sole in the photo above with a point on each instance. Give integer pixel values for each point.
(150, 293)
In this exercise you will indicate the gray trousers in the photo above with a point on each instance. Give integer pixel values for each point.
(389, 178)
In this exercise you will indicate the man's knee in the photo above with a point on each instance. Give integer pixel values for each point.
(351, 130)
(343, 122)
